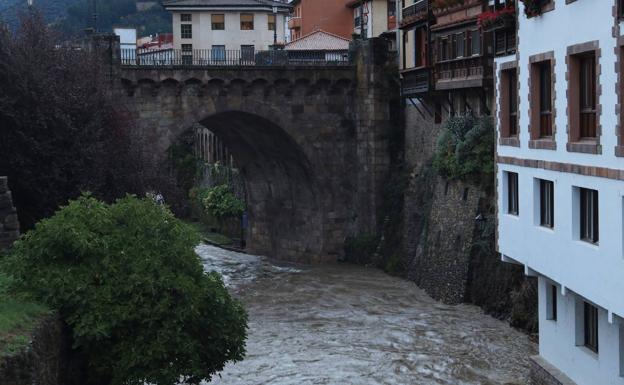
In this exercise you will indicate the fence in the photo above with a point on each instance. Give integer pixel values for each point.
(221, 57)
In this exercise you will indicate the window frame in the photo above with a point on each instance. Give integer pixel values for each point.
(185, 19)
(243, 23)
(508, 104)
(272, 25)
(589, 218)
(552, 293)
(547, 203)
(513, 189)
(216, 25)
(545, 104)
(587, 96)
(186, 34)
(590, 327)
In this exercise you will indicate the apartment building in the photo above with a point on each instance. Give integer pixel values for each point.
(560, 182)
(332, 16)
(374, 18)
(217, 27)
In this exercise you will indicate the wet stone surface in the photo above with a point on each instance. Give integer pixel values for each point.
(352, 325)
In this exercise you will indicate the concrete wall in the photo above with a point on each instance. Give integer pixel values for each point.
(232, 37)
(9, 224)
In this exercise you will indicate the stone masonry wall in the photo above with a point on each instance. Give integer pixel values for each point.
(9, 224)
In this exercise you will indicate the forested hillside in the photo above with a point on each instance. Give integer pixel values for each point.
(72, 17)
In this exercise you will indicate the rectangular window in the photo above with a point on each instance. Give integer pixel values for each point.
(589, 215)
(186, 31)
(271, 22)
(587, 93)
(246, 21)
(547, 203)
(551, 302)
(513, 103)
(187, 54)
(218, 22)
(445, 48)
(460, 44)
(247, 53)
(420, 45)
(218, 53)
(186, 17)
(590, 327)
(476, 42)
(512, 193)
(545, 101)
(508, 103)
(621, 349)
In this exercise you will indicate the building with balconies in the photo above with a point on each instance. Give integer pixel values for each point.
(560, 181)
(375, 18)
(332, 16)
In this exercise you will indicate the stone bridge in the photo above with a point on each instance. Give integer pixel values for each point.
(310, 141)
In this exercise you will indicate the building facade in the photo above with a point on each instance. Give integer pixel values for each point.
(219, 27)
(374, 18)
(331, 16)
(560, 182)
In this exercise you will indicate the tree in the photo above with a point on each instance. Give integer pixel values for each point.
(128, 283)
(61, 131)
(221, 203)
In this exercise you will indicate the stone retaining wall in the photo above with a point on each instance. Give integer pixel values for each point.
(9, 225)
(543, 373)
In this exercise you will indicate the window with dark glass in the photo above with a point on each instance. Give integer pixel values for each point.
(590, 327)
(186, 17)
(271, 22)
(445, 48)
(513, 102)
(476, 42)
(420, 45)
(246, 21)
(186, 31)
(218, 52)
(218, 22)
(460, 44)
(547, 203)
(589, 215)
(512, 193)
(187, 54)
(551, 302)
(545, 99)
(587, 93)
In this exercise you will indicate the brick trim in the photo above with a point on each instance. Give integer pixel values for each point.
(600, 172)
(619, 70)
(511, 141)
(508, 65)
(536, 141)
(573, 125)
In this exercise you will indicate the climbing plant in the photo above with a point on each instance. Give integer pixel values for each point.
(465, 149)
(221, 203)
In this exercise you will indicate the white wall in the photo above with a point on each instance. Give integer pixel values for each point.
(232, 37)
(558, 343)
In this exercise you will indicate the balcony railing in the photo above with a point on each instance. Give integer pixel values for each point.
(294, 23)
(463, 72)
(416, 81)
(416, 9)
(231, 58)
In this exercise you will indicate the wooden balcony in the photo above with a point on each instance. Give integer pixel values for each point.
(415, 13)
(470, 72)
(416, 81)
(294, 23)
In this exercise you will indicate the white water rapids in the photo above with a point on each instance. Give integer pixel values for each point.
(354, 325)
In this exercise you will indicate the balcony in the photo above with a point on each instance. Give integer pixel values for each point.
(415, 12)
(416, 81)
(294, 23)
(470, 72)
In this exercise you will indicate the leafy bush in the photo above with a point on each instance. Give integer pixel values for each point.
(221, 203)
(127, 281)
(466, 149)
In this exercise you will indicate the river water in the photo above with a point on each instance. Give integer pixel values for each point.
(355, 325)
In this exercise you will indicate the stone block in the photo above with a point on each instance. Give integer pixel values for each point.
(6, 200)
(4, 184)
(11, 222)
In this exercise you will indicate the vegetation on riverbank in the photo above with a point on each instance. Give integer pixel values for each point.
(128, 283)
(18, 318)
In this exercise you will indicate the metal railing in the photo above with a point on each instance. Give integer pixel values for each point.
(231, 58)
(415, 9)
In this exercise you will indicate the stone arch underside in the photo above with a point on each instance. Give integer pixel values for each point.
(283, 194)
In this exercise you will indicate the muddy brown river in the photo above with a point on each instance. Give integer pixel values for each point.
(355, 325)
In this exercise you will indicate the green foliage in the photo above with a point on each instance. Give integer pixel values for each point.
(17, 318)
(127, 281)
(221, 203)
(466, 149)
(361, 249)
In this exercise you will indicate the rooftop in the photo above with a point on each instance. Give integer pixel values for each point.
(226, 4)
(319, 41)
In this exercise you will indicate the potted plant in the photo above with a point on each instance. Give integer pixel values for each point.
(532, 7)
(502, 18)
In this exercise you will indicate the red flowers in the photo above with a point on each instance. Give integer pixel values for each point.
(490, 18)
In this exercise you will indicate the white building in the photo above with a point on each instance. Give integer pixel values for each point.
(374, 18)
(560, 181)
(223, 26)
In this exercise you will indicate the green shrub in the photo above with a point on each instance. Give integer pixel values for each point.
(221, 203)
(127, 281)
(361, 249)
(466, 149)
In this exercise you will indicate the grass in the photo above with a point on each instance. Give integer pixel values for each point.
(211, 236)
(18, 319)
